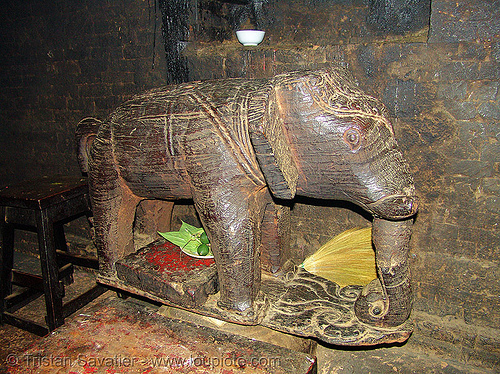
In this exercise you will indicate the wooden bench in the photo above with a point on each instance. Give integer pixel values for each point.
(42, 205)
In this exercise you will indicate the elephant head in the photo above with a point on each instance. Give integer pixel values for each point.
(323, 137)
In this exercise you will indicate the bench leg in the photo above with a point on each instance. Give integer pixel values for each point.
(53, 289)
(6, 260)
(62, 247)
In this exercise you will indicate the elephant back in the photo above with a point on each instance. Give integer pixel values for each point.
(232, 108)
(153, 130)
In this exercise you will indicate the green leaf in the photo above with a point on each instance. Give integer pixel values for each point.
(188, 237)
(180, 238)
(195, 231)
(192, 246)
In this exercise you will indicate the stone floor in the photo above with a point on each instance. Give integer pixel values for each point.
(330, 360)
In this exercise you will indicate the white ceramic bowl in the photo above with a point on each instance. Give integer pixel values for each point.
(250, 37)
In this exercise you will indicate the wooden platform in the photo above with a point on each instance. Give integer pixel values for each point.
(296, 303)
(165, 271)
(128, 336)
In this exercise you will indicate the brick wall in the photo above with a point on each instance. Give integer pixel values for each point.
(63, 61)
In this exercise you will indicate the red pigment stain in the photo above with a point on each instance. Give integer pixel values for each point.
(88, 370)
(168, 257)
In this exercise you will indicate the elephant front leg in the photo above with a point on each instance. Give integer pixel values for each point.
(387, 302)
(232, 220)
(151, 217)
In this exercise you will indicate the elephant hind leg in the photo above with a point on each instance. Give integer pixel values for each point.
(114, 209)
(125, 223)
(152, 216)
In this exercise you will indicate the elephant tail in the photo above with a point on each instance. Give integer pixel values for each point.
(86, 131)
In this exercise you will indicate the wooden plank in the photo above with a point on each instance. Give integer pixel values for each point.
(83, 261)
(21, 298)
(165, 271)
(24, 324)
(296, 303)
(24, 279)
(316, 307)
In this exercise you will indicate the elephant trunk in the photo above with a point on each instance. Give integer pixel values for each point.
(395, 207)
(387, 302)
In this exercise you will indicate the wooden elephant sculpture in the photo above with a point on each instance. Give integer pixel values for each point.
(233, 146)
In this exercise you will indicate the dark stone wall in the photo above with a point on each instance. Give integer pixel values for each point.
(439, 75)
(473, 20)
(65, 60)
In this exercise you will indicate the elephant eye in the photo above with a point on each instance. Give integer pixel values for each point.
(352, 137)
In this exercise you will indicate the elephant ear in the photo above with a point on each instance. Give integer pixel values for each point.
(271, 146)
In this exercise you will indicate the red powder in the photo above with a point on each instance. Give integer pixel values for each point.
(169, 258)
